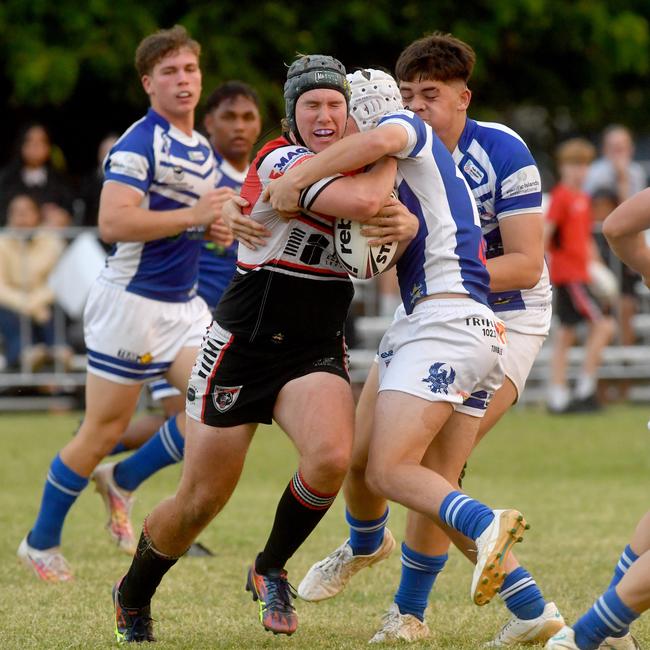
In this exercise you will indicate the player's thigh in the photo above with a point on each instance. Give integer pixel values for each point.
(502, 400)
(214, 458)
(179, 372)
(316, 411)
(108, 403)
(450, 449)
(404, 427)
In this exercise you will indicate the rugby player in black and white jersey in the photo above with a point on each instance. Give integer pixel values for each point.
(275, 351)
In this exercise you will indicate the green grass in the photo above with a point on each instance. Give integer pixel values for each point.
(582, 482)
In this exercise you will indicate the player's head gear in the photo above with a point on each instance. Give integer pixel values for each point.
(309, 73)
(374, 93)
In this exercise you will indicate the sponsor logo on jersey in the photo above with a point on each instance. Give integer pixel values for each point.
(440, 378)
(293, 155)
(191, 393)
(224, 397)
(387, 356)
(179, 174)
(524, 181)
(196, 156)
(473, 171)
(128, 163)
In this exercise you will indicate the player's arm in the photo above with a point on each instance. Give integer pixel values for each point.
(522, 262)
(357, 197)
(624, 229)
(350, 153)
(122, 219)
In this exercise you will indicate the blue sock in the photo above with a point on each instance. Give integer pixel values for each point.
(521, 595)
(62, 488)
(366, 536)
(608, 616)
(419, 572)
(627, 559)
(164, 448)
(465, 514)
(118, 449)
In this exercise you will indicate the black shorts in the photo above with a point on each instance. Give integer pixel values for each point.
(236, 382)
(574, 304)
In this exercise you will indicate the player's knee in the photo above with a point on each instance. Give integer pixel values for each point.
(378, 479)
(200, 507)
(330, 466)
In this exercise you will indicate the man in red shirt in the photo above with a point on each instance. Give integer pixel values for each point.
(571, 248)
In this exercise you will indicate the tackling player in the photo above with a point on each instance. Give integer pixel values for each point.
(143, 319)
(502, 174)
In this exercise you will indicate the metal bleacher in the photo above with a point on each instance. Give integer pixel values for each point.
(60, 385)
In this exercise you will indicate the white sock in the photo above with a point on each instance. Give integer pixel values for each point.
(585, 386)
(558, 396)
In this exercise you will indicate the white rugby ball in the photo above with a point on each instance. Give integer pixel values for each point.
(360, 260)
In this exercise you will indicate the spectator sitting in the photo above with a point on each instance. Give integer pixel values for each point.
(25, 264)
(571, 248)
(32, 172)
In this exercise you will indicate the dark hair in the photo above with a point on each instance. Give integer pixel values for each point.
(157, 46)
(438, 56)
(231, 90)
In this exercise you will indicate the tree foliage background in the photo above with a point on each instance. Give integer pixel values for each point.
(548, 68)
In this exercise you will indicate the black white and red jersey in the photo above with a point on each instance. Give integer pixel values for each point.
(294, 287)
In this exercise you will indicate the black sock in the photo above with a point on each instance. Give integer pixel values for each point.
(298, 513)
(147, 570)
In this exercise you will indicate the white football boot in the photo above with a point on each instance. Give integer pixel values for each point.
(49, 565)
(328, 577)
(565, 639)
(492, 547)
(400, 627)
(627, 642)
(534, 630)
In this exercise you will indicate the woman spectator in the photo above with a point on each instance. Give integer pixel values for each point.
(25, 264)
(32, 172)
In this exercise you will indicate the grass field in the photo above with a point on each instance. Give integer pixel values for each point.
(581, 481)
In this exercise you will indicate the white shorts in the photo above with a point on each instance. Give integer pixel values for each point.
(448, 350)
(160, 389)
(131, 339)
(521, 352)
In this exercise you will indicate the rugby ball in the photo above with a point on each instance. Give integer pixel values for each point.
(359, 259)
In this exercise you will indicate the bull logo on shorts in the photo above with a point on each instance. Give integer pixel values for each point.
(224, 397)
(439, 379)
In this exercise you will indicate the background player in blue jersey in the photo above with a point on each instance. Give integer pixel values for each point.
(233, 124)
(502, 174)
(143, 319)
(606, 623)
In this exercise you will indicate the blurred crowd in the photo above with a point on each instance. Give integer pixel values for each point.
(596, 297)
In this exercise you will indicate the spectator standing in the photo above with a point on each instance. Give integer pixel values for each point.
(32, 172)
(570, 245)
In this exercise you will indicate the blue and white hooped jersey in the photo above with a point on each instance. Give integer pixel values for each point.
(505, 181)
(447, 255)
(171, 170)
(217, 264)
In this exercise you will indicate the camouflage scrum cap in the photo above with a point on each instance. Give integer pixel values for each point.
(308, 73)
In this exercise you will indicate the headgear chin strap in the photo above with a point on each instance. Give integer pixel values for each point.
(309, 73)
(374, 94)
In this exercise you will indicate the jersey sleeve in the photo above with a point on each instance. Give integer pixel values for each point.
(518, 186)
(414, 127)
(131, 161)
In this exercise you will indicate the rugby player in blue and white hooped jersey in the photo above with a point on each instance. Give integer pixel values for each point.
(143, 319)
(440, 360)
(502, 174)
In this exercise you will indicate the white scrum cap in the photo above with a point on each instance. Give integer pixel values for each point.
(374, 93)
